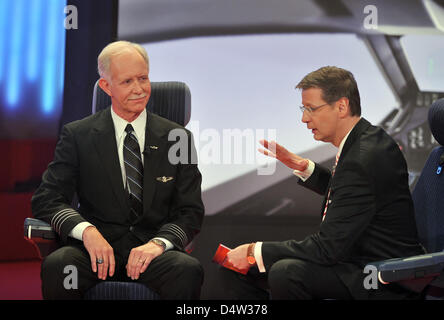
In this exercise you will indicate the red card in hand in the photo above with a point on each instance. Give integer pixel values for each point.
(220, 258)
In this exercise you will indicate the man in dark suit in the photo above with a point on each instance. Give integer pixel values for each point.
(137, 210)
(367, 214)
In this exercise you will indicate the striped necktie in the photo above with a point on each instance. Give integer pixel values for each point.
(134, 171)
(329, 188)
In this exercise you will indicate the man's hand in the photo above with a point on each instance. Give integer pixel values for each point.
(99, 248)
(140, 258)
(238, 257)
(275, 150)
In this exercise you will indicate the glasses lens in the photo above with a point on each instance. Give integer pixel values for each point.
(303, 108)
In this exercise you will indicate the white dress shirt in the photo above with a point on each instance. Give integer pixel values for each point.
(139, 125)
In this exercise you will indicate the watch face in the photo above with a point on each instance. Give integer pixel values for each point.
(251, 260)
(159, 242)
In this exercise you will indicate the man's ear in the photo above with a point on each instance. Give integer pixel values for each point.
(105, 86)
(344, 107)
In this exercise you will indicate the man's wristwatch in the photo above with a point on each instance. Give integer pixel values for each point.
(159, 243)
(250, 254)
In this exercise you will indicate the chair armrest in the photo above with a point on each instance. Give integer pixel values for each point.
(415, 267)
(34, 228)
(41, 235)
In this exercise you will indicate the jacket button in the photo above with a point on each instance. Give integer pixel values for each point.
(131, 228)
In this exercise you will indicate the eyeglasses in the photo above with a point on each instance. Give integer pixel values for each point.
(310, 110)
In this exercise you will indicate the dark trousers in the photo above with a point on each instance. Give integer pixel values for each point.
(173, 275)
(286, 279)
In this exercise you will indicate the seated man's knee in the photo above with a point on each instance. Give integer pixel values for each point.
(278, 274)
(66, 273)
(56, 262)
(286, 277)
(181, 279)
(190, 267)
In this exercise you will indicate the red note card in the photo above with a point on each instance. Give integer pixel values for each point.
(220, 258)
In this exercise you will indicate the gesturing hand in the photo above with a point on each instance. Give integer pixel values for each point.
(99, 249)
(275, 150)
(140, 258)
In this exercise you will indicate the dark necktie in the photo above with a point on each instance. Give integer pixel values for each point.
(134, 171)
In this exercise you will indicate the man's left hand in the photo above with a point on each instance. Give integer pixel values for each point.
(140, 258)
(238, 257)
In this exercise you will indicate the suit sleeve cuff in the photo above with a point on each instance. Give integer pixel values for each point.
(304, 175)
(258, 257)
(64, 221)
(175, 234)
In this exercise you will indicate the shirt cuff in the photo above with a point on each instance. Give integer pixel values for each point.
(304, 175)
(77, 231)
(258, 257)
(168, 243)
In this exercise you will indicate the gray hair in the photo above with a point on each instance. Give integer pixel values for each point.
(115, 48)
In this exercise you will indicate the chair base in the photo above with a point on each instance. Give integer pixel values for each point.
(115, 290)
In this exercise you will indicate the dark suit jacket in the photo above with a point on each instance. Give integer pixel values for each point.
(370, 216)
(86, 162)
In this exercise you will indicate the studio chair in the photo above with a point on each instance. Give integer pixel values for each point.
(424, 273)
(171, 100)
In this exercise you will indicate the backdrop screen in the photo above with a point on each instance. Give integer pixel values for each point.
(243, 87)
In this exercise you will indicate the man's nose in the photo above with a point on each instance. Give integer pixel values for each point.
(137, 87)
(305, 116)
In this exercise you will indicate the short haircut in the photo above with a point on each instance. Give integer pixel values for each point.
(115, 48)
(335, 83)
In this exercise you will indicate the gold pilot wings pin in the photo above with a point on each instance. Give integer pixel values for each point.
(164, 179)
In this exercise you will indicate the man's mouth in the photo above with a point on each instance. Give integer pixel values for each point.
(137, 98)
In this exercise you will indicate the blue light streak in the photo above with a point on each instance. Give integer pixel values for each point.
(15, 53)
(35, 37)
(51, 68)
(4, 9)
(32, 55)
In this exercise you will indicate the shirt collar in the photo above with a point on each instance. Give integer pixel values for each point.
(341, 145)
(138, 124)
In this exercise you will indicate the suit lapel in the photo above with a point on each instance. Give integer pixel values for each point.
(356, 132)
(105, 141)
(155, 147)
